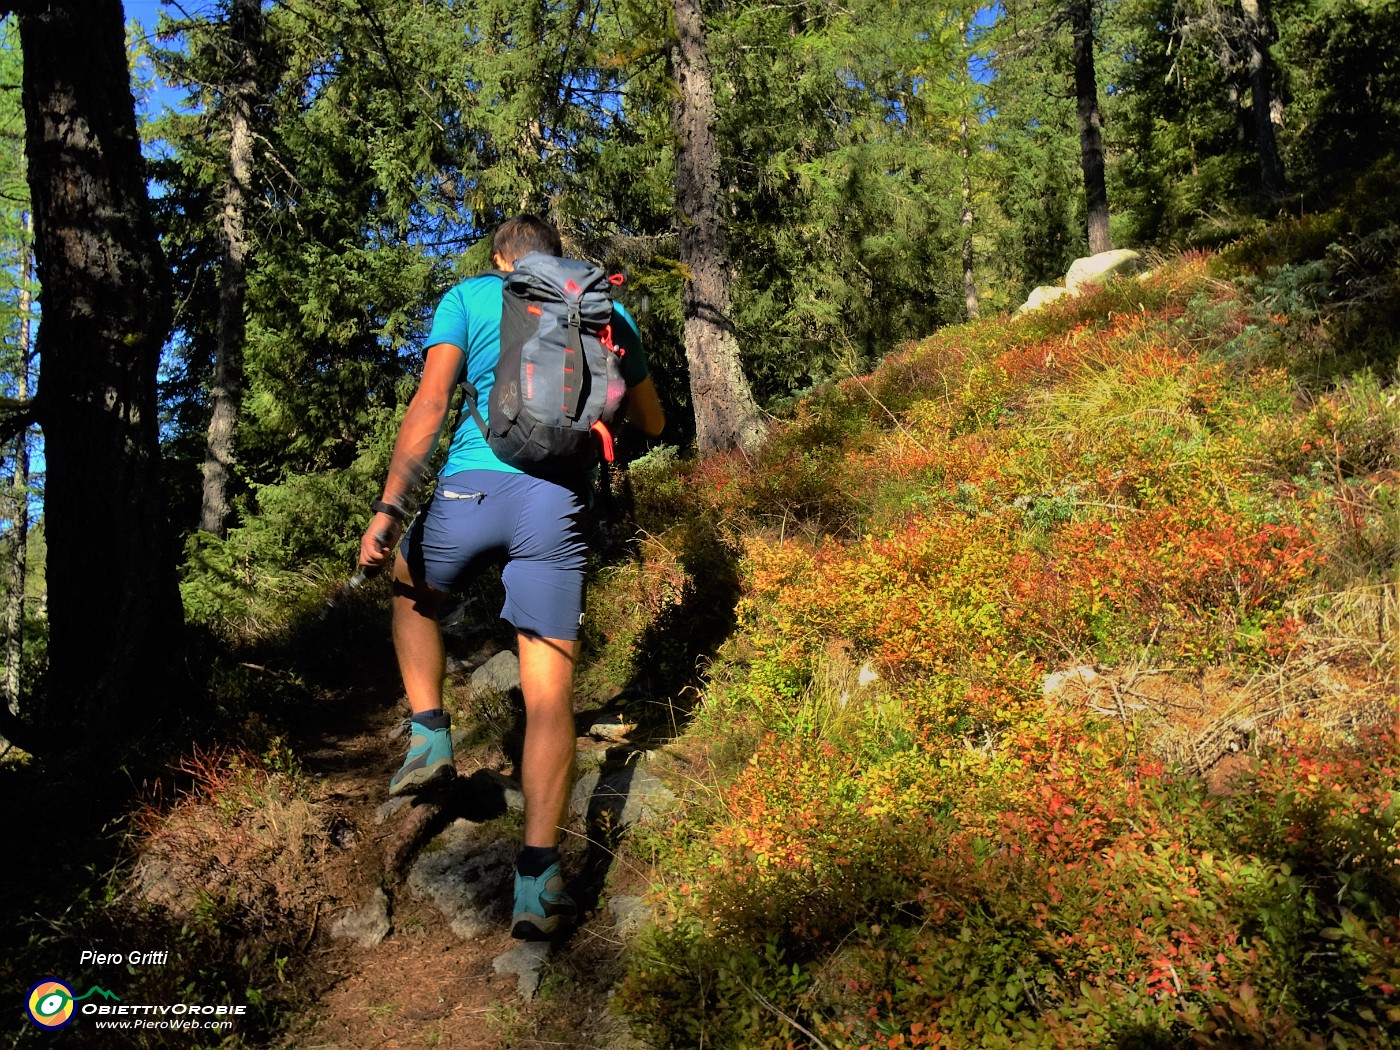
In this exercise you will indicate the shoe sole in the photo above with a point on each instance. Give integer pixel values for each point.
(421, 778)
(528, 930)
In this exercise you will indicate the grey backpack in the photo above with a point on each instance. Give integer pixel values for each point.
(559, 382)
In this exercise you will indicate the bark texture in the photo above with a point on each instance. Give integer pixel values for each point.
(114, 613)
(1086, 95)
(226, 394)
(726, 415)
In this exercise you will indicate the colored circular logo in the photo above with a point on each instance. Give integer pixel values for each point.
(51, 1004)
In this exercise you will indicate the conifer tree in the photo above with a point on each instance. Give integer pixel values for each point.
(1240, 36)
(237, 102)
(1342, 60)
(966, 106)
(1061, 40)
(1080, 15)
(1034, 155)
(114, 618)
(726, 415)
(838, 131)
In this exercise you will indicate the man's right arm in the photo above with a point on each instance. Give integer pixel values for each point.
(418, 436)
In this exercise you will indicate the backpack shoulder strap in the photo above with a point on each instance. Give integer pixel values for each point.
(472, 399)
(469, 400)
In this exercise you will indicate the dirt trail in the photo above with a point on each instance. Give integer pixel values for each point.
(425, 985)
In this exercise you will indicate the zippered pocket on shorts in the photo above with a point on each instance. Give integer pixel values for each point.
(461, 494)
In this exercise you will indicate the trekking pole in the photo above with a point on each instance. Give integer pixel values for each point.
(363, 573)
(361, 576)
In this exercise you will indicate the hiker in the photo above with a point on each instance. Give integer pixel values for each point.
(484, 511)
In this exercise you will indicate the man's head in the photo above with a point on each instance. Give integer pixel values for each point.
(522, 235)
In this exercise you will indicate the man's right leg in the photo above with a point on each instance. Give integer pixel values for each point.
(418, 638)
(418, 645)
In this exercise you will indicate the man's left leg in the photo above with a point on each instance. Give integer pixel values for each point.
(543, 579)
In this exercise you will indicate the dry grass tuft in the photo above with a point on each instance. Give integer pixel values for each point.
(243, 836)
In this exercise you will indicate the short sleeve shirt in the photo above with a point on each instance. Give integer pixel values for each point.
(469, 318)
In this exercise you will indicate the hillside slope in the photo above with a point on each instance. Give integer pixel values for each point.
(1060, 710)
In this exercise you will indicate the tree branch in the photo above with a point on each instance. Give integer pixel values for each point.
(16, 417)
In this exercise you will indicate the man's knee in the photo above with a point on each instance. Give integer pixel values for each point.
(546, 668)
(409, 586)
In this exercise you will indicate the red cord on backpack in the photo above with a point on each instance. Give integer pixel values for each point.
(605, 436)
(606, 338)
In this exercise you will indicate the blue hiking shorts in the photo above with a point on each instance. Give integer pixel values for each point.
(533, 526)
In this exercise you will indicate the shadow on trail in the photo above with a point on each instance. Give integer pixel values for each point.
(667, 681)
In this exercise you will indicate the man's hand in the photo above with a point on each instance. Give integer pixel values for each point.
(377, 544)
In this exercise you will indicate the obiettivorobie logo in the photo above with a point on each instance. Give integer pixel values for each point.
(50, 1003)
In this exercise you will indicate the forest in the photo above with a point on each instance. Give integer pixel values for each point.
(223, 232)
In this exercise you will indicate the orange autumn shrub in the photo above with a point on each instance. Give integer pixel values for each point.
(932, 853)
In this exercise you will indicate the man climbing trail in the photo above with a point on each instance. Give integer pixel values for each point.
(485, 510)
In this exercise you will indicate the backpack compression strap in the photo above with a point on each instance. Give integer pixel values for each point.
(573, 389)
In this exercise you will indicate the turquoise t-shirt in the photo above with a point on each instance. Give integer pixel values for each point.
(469, 318)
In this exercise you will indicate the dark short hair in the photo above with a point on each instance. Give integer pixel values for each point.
(524, 234)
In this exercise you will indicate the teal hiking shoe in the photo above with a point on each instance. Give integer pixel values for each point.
(429, 760)
(540, 905)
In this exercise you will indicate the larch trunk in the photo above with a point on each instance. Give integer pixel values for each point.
(1259, 34)
(1090, 122)
(726, 415)
(226, 395)
(968, 273)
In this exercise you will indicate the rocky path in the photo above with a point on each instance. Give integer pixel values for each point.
(411, 946)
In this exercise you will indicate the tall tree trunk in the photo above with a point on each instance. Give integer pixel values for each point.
(969, 275)
(1086, 94)
(726, 415)
(1258, 35)
(114, 613)
(227, 392)
(19, 491)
